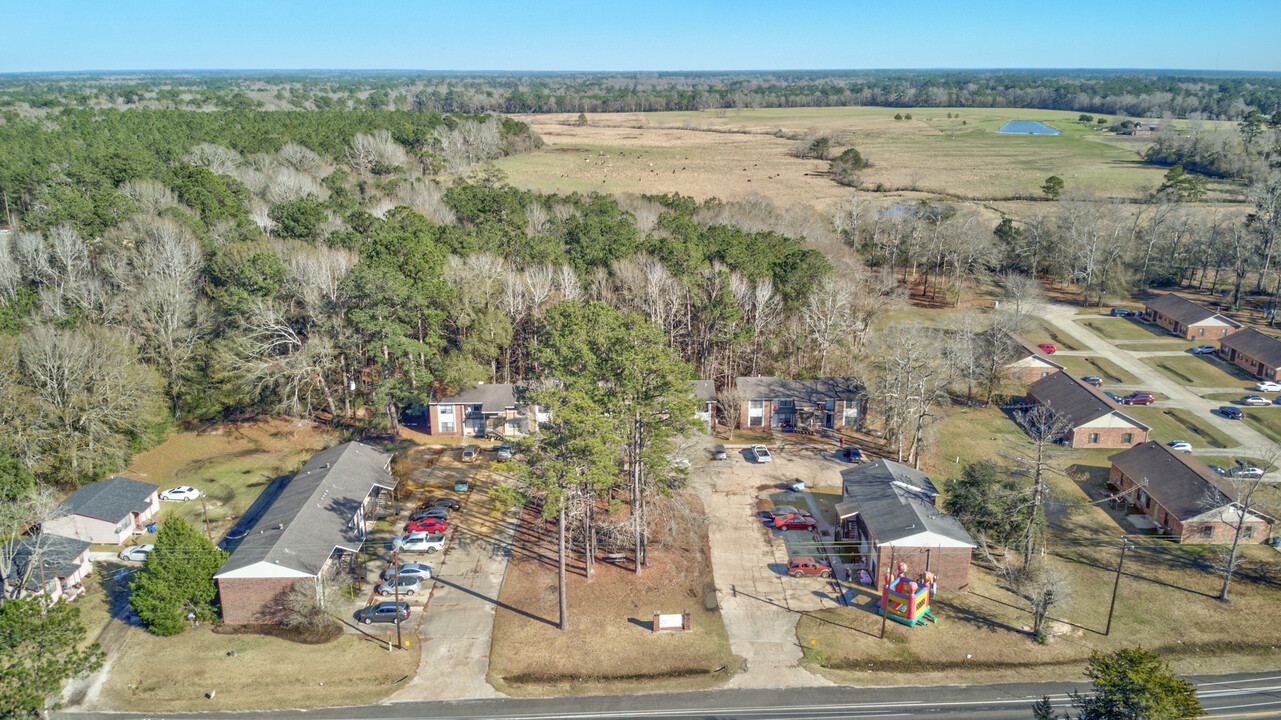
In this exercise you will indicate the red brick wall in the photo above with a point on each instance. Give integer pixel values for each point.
(253, 600)
(433, 417)
(1108, 437)
(951, 566)
(1165, 322)
(1212, 332)
(1251, 366)
(1176, 528)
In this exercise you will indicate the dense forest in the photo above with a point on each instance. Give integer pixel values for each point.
(1229, 96)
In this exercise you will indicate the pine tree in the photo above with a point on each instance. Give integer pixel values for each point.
(1043, 710)
(177, 579)
(39, 649)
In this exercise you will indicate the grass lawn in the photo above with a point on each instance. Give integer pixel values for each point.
(1265, 420)
(173, 674)
(1235, 398)
(1196, 371)
(1123, 328)
(1170, 424)
(1047, 333)
(609, 647)
(230, 463)
(1155, 346)
(1080, 366)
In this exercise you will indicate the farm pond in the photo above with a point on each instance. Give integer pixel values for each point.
(1027, 127)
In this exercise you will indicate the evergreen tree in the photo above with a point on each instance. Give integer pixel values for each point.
(1135, 684)
(177, 579)
(39, 649)
(1043, 710)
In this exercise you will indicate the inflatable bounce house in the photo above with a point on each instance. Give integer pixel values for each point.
(905, 601)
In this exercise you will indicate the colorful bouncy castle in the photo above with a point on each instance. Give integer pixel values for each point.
(906, 601)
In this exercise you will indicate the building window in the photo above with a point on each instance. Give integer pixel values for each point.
(1094, 437)
(1127, 438)
(1207, 532)
(1045, 374)
(447, 422)
(851, 412)
(1247, 531)
(1201, 332)
(755, 421)
(1223, 332)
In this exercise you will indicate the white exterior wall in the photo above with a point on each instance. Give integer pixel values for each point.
(92, 530)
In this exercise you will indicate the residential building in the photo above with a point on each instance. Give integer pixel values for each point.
(1255, 352)
(1189, 502)
(314, 528)
(1145, 128)
(1094, 419)
(821, 402)
(1030, 362)
(43, 563)
(485, 409)
(1187, 319)
(106, 512)
(891, 512)
(705, 393)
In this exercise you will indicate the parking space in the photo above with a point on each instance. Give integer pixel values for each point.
(759, 601)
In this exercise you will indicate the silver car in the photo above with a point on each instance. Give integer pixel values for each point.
(408, 585)
(137, 553)
(407, 570)
(470, 452)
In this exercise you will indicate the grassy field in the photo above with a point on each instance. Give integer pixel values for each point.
(609, 647)
(730, 154)
(982, 635)
(1122, 328)
(1196, 371)
(1265, 420)
(250, 672)
(1111, 373)
(1168, 345)
(1173, 424)
(1047, 333)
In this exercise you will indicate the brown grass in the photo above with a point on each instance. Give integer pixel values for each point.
(609, 647)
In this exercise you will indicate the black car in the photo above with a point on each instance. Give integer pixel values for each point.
(852, 454)
(433, 502)
(436, 511)
(1231, 413)
(383, 612)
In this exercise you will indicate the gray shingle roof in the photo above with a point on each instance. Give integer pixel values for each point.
(811, 391)
(1182, 484)
(897, 502)
(111, 499)
(1182, 310)
(705, 390)
(58, 554)
(1074, 400)
(1256, 345)
(313, 514)
(492, 397)
(1027, 349)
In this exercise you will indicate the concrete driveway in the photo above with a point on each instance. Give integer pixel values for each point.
(456, 621)
(1180, 396)
(760, 604)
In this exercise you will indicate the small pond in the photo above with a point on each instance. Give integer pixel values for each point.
(1027, 127)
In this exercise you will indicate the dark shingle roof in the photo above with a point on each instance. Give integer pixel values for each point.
(111, 499)
(1183, 485)
(897, 502)
(1256, 345)
(705, 390)
(58, 554)
(492, 397)
(1074, 400)
(813, 390)
(1184, 311)
(313, 514)
(1026, 349)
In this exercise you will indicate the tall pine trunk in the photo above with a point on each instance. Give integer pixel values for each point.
(561, 576)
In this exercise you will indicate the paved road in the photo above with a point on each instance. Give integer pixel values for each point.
(1180, 396)
(1256, 695)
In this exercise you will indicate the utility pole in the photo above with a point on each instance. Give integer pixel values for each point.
(885, 596)
(205, 509)
(1125, 545)
(395, 559)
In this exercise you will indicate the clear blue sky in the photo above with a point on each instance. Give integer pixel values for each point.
(52, 35)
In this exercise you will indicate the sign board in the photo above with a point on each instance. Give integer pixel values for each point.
(672, 622)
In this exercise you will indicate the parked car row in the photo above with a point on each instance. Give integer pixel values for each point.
(472, 452)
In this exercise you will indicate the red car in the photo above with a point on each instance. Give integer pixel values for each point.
(1048, 348)
(431, 525)
(1139, 398)
(794, 522)
(807, 566)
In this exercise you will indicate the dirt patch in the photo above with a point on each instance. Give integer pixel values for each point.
(303, 636)
(609, 647)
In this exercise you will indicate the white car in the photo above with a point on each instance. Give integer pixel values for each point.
(182, 493)
(761, 453)
(1245, 470)
(1204, 350)
(421, 541)
(1267, 386)
(137, 553)
(1180, 445)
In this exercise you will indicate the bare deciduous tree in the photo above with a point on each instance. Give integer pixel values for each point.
(220, 160)
(730, 402)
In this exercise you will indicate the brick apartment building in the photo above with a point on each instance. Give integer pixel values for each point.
(1189, 502)
(1255, 352)
(1094, 419)
(821, 402)
(485, 409)
(890, 510)
(1187, 319)
(1029, 364)
(316, 525)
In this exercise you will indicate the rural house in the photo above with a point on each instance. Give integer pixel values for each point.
(1030, 362)
(821, 402)
(1187, 500)
(1253, 351)
(486, 409)
(1187, 319)
(313, 528)
(106, 512)
(705, 393)
(1094, 419)
(44, 563)
(890, 511)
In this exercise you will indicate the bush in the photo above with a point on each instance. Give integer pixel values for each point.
(176, 581)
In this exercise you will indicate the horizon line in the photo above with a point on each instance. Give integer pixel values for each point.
(424, 71)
